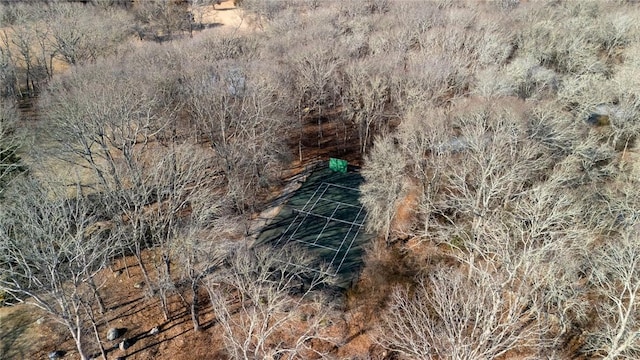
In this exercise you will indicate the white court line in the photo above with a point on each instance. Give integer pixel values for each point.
(313, 195)
(342, 243)
(347, 252)
(326, 223)
(305, 205)
(340, 203)
(316, 245)
(328, 219)
(342, 186)
(287, 229)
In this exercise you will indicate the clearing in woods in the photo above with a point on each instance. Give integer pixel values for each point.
(326, 218)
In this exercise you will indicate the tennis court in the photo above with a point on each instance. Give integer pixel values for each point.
(325, 217)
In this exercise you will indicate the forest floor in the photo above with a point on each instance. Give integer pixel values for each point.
(26, 333)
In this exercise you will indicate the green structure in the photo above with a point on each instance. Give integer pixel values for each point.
(338, 165)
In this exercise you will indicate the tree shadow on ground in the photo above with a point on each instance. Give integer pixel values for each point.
(163, 328)
(14, 340)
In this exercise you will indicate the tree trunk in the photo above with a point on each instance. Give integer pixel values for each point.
(194, 305)
(164, 304)
(97, 335)
(301, 128)
(126, 266)
(76, 332)
(138, 256)
(96, 294)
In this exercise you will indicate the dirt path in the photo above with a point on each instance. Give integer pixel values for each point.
(225, 16)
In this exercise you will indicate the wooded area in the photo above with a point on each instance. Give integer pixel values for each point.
(497, 139)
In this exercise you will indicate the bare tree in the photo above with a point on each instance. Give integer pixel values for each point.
(8, 71)
(81, 33)
(616, 279)
(108, 122)
(72, 32)
(10, 142)
(312, 81)
(161, 19)
(505, 210)
(236, 112)
(123, 127)
(191, 222)
(183, 203)
(200, 250)
(26, 58)
(50, 256)
(201, 245)
(479, 162)
(383, 187)
(366, 99)
(453, 316)
(269, 304)
(105, 122)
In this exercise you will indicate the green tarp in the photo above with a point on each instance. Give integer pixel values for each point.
(338, 165)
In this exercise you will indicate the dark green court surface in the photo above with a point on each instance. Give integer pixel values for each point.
(325, 217)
